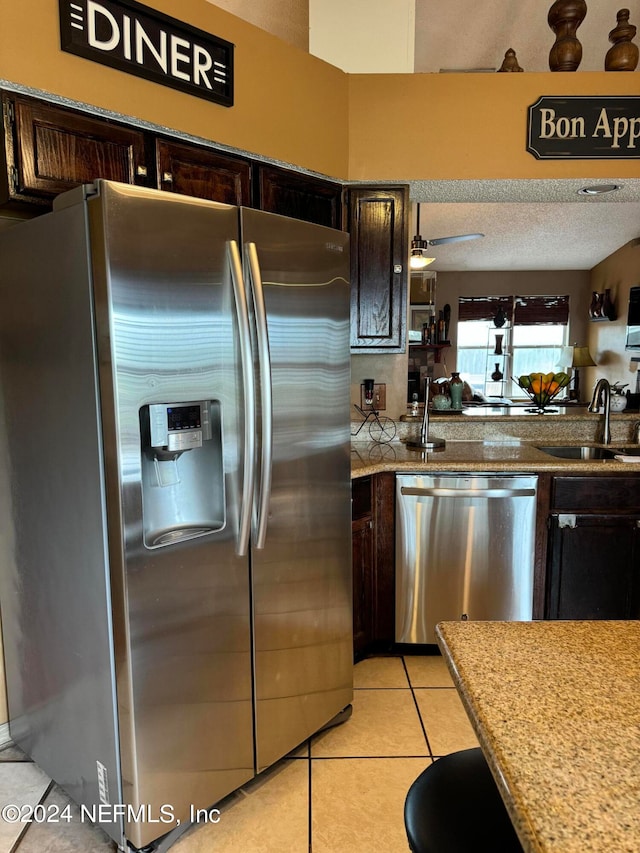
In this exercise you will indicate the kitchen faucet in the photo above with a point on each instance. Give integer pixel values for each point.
(602, 393)
(424, 442)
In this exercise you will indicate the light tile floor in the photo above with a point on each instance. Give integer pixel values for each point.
(341, 792)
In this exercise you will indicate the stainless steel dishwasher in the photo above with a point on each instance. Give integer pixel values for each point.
(464, 550)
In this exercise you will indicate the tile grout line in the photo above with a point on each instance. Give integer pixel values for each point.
(310, 806)
(23, 833)
(417, 707)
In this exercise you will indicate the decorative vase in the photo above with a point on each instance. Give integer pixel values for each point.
(500, 319)
(595, 308)
(608, 308)
(497, 374)
(623, 56)
(456, 386)
(498, 349)
(618, 402)
(564, 18)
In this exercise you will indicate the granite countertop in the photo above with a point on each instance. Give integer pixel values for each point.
(494, 443)
(489, 455)
(556, 710)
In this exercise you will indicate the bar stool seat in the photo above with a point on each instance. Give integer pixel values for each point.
(454, 806)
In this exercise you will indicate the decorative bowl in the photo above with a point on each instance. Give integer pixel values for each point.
(541, 388)
(441, 402)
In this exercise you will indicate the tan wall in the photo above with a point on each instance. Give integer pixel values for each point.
(619, 272)
(287, 19)
(289, 106)
(465, 126)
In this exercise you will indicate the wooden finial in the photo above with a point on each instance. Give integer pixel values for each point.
(510, 62)
(623, 56)
(564, 18)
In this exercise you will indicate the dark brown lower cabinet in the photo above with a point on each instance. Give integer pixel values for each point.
(373, 564)
(593, 548)
(363, 565)
(594, 567)
(363, 592)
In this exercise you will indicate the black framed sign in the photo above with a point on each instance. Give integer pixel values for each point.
(138, 40)
(582, 127)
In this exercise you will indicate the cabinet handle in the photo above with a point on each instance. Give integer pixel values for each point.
(167, 177)
(141, 171)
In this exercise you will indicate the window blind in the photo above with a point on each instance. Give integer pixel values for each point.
(523, 310)
(541, 310)
(484, 307)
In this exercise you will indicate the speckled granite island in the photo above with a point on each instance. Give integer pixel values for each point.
(556, 708)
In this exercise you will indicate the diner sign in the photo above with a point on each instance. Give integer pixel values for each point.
(138, 40)
(584, 128)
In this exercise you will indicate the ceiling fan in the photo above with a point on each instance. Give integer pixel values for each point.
(419, 247)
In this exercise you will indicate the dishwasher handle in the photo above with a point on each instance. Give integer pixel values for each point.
(443, 492)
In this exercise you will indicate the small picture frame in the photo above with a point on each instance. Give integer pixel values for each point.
(418, 316)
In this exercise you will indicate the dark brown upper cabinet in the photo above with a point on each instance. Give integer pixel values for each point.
(300, 196)
(50, 149)
(203, 173)
(378, 224)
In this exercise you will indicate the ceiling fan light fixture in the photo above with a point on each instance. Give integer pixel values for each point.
(418, 260)
(599, 189)
(419, 247)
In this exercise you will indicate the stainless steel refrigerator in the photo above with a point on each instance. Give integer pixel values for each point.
(177, 611)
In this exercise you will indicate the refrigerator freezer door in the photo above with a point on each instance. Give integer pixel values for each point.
(302, 575)
(167, 332)
(56, 618)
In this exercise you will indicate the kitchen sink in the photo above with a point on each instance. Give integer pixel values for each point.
(573, 451)
(628, 451)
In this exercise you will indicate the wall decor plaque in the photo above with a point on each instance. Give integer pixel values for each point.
(139, 40)
(580, 127)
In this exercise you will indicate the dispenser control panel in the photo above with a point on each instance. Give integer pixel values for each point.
(180, 426)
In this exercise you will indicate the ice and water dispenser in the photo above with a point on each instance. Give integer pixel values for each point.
(182, 471)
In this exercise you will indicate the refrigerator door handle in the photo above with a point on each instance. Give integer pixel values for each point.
(249, 389)
(264, 361)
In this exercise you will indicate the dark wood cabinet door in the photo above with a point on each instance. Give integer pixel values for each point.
(300, 196)
(378, 224)
(363, 563)
(50, 149)
(363, 582)
(203, 173)
(593, 567)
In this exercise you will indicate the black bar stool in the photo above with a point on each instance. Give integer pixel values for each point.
(454, 806)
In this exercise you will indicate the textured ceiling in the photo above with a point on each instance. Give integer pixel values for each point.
(528, 225)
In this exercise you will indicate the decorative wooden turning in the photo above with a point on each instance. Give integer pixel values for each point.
(623, 56)
(564, 18)
(510, 62)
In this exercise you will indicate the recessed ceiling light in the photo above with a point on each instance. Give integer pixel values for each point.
(599, 189)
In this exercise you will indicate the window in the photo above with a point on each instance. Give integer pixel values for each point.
(537, 327)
